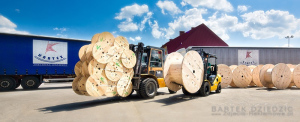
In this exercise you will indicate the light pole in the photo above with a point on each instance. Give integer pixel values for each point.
(289, 37)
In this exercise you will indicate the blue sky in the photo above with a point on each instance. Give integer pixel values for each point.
(261, 23)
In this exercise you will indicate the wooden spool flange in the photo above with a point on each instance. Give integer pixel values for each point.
(124, 86)
(114, 70)
(251, 68)
(121, 42)
(95, 67)
(100, 51)
(232, 67)
(77, 68)
(292, 67)
(128, 58)
(82, 52)
(278, 76)
(89, 52)
(296, 75)
(75, 85)
(103, 37)
(115, 53)
(96, 86)
(81, 86)
(255, 75)
(173, 70)
(242, 76)
(226, 75)
(84, 69)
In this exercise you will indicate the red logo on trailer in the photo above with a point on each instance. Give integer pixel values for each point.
(248, 55)
(49, 47)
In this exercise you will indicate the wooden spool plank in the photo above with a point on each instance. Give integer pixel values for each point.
(103, 37)
(263, 76)
(172, 71)
(82, 52)
(89, 52)
(77, 68)
(124, 86)
(226, 75)
(128, 58)
(251, 68)
(111, 88)
(81, 86)
(96, 86)
(121, 42)
(95, 67)
(281, 76)
(100, 51)
(114, 70)
(84, 69)
(242, 76)
(115, 53)
(192, 71)
(296, 75)
(292, 67)
(75, 85)
(232, 67)
(255, 75)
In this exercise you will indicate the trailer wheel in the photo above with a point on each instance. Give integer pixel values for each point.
(7, 83)
(185, 91)
(18, 83)
(148, 88)
(30, 82)
(205, 89)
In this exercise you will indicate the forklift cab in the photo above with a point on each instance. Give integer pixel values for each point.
(210, 64)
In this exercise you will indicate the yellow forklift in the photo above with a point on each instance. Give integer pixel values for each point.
(148, 72)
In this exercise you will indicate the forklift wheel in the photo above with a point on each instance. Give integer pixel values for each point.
(172, 92)
(185, 91)
(205, 89)
(148, 88)
(219, 89)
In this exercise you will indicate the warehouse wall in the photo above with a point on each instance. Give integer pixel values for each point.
(229, 55)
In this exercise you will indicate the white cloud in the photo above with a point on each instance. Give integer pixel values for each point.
(242, 8)
(269, 24)
(60, 29)
(17, 10)
(128, 12)
(146, 18)
(62, 35)
(137, 38)
(183, 3)
(169, 6)
(222, 5)
(7, 26)
(127, 26)
(156, 32)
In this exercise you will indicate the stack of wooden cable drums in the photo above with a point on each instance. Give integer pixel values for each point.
(186, 71)
(280, 76)
(105, 67)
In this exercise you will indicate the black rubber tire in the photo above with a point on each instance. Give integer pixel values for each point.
(30, 82)
(172, 92)
(185, 91)
(219, 88)
(148, 88)
(7, 83)
(18, 83)
(205, 89)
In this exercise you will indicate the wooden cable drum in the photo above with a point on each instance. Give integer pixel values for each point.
(187, 71)
(128, 58)
(89, 52)
(115, 53)
(77, 68)
(96, 86)
(84, 69)
(82, 51)
(255, 75)
(124, 86)
(81, 86)
(226, 75)
(242, 76)
(278, 76)
(75, 85)
(100, 51)
(292, 67)
(251, 68)
(232, 67)
(121, 42)
(111, 88)
(95, 67)
(103, 37)
(114, 70)
(296, 75)
(172, 71)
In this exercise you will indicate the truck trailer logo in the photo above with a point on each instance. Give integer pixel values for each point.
(248, 57)
(47, 53)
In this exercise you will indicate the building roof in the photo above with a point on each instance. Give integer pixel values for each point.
(198, 36)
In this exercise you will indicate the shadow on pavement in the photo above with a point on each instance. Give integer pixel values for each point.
(268, 89)
(41, 88)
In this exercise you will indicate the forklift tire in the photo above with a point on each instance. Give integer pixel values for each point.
(219, 89)
(148, 88)
(205, 89)
(172, 92)
(185, 91)
(7, 83)
(30, 82)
